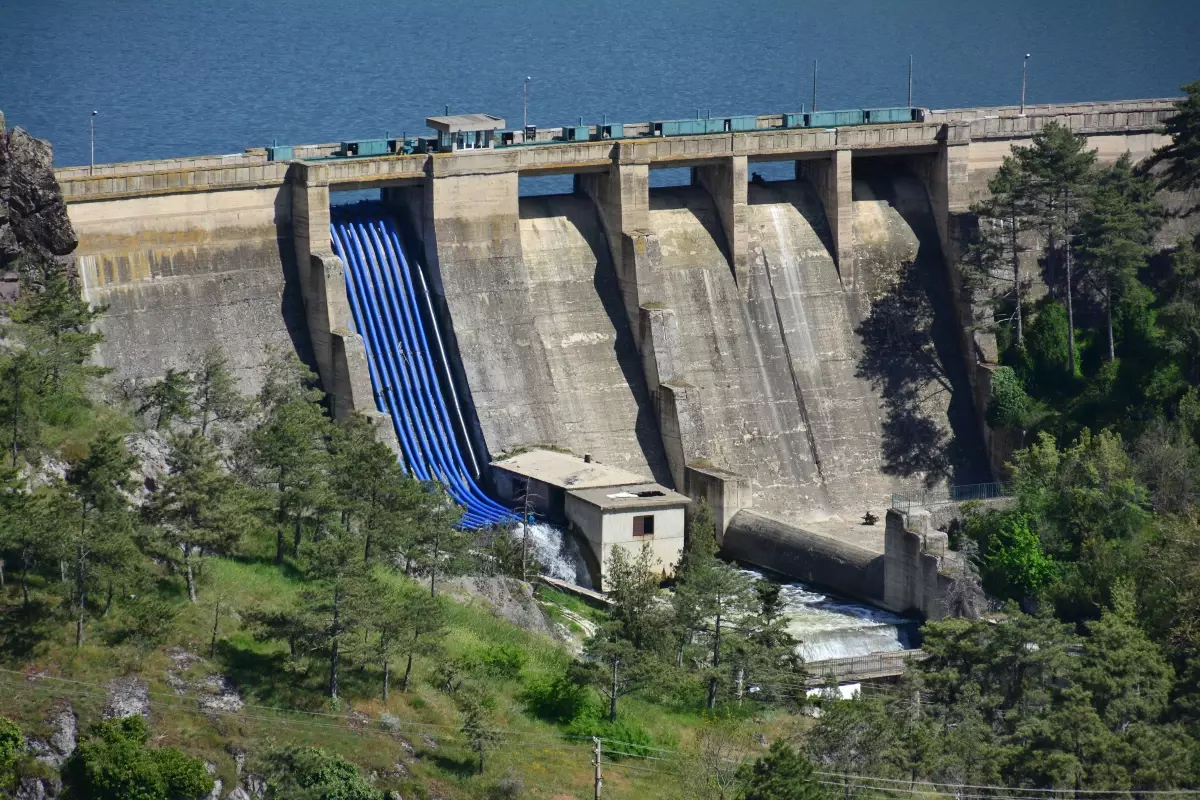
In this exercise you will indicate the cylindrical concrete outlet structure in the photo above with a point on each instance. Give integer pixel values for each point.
(776, 545)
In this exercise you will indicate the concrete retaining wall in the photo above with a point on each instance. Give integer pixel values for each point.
(805, 555)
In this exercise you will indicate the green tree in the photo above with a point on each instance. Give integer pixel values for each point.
(615, 667)
(99, 534)
(289, 450)
(336, 575)
(407, 622)
(992, 263)
(113, 763)
(476, 726)
(214, 391)
(1180, 315)
(783, 774)
(1009, 406)
(376, 496)
(851, 738)
(711, 594)
(199, 508)
(1126, 674)
(168, 398)
(11, 744)
(1115, 234)
(1055, 170)
(439, 547)
(56, 323)
(634, 587)
(1183, 153)
(310, 773)
(1014, 565)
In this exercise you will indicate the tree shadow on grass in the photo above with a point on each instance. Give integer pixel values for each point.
(273, 678)
(459, 765)
(22, 629)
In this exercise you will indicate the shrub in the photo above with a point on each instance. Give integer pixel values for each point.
(502, 660)
(558, 698)
(1014, 564)
(10, 748)
(1009, 405)
(313, 772)
(621, 738)
(113, 763)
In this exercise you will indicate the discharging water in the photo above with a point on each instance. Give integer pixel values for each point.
(558, 552)
(827, 627)
(830, 627)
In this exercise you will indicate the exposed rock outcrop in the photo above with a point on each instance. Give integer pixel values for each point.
(33, 216)
(127, 697)
(509, 598)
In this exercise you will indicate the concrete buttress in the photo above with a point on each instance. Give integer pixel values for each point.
(833, 179)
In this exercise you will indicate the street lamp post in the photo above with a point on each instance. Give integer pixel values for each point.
(92, 143)
(910, 81)
(525, 95)
(1024, 70)
(814, 84)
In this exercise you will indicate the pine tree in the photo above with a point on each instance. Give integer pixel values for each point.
(995, 257)
(1183, 153)
(1056, 168)
(94, 496)
(710, 593)
(477, 727)
(407, 622)
(289, 450)
(214, 392)
(1115, 234)
(169, 398)
(199, 508)
(783, 774)
(373, 491)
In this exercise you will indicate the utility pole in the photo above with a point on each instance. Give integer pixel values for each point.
(814, 84)
(599, 781)
(92, 140)
(525, 115)
(910, 81)
(1024, 70)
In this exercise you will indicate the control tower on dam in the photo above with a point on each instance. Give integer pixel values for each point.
(792, 351)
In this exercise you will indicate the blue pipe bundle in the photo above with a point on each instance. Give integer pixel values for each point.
(386, 303)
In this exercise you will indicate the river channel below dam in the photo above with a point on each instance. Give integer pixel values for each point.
(827, 627)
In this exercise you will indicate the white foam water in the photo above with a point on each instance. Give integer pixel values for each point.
(557, 551)
(828, 627)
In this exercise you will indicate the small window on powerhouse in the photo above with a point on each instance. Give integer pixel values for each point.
(643, 526)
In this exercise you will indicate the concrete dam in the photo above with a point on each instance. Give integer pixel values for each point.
(792, 351)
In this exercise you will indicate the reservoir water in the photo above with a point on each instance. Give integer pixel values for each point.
(178, 77)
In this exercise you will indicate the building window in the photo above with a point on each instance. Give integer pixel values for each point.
(643, 527)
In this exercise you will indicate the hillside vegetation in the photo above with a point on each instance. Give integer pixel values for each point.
(198, 586)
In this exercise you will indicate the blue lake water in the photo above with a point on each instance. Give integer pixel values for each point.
(180, 77)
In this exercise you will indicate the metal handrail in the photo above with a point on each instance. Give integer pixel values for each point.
(906, 501)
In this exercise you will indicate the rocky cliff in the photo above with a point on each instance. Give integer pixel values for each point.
(33, 216)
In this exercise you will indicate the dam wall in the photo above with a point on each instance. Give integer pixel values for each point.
(182, 272)
(804, 342)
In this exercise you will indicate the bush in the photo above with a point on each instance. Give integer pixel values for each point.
(622, 738)
(10, 748)
(1009, 405)
(502, 660)
(113, 763)
(558, 698)
(1014, 564)
(312, 772)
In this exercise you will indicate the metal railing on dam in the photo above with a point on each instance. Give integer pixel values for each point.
(862, 668)
(906, 501)
(252, 170)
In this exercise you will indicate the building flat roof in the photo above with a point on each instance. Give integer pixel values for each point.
(465, 122)
(566, 471)
(636, 496)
